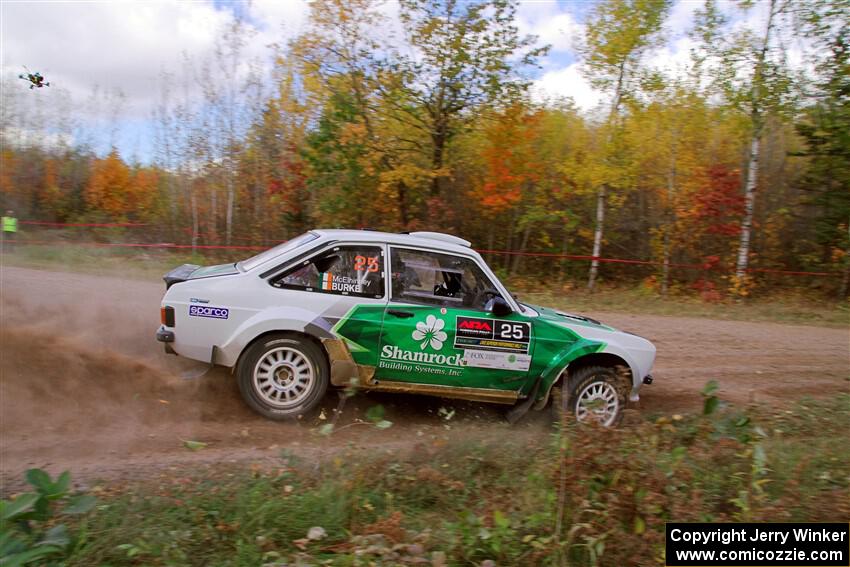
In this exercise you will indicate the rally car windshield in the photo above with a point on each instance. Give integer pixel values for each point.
(281, 248)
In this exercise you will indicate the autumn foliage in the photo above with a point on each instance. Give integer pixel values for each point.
(354, 132)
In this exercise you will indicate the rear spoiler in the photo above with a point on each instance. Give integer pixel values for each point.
(179, 274)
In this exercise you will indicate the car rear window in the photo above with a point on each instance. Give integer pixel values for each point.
(281, 248)
(356, 270)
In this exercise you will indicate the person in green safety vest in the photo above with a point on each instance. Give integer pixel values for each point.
(10, 230)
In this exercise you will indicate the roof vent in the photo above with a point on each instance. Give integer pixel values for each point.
(442, 237)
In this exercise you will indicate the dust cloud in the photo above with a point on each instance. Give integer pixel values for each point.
(85, 386)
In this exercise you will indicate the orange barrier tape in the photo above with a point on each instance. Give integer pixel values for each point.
(141, 245)
(98, 224)
(553, 255)
(654, 263)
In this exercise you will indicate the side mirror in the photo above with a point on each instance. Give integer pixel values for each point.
(499, 307)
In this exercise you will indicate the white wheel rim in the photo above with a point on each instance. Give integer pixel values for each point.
(598, 402)
(283, 377)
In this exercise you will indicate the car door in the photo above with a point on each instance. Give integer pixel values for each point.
(437, 328)
(343, 285)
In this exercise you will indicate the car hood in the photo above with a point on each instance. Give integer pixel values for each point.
(563, 318)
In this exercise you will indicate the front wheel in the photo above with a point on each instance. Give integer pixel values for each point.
(282, 377)
(594, 396)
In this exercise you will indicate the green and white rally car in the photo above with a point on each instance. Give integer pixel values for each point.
(414, 313)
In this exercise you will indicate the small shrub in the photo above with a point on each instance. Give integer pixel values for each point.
(29, 528)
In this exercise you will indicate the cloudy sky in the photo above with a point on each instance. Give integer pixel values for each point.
(126, 46)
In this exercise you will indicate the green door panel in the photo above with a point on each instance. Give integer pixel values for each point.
(424, 345)
(460, 347)
(360, 328)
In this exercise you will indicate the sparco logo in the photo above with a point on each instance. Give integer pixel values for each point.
(205, 311)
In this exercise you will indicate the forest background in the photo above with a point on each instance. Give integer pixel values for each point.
(717, 171)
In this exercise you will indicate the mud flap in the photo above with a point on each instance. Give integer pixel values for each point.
(519, 410)
(195, 374)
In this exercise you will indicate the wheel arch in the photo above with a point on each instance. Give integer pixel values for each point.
(274, 320)
(605, 359)
(284, 333)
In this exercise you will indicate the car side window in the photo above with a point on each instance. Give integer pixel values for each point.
(432, 278)
(342, 270)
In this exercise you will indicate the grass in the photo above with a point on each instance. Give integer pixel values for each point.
(470, 501)
(784, 306)
(130, 263)
(788, 306)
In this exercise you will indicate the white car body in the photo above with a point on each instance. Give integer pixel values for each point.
(217, 313)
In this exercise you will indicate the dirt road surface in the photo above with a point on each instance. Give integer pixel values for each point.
(84, 386)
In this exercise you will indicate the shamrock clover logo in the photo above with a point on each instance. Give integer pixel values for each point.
(431, 331)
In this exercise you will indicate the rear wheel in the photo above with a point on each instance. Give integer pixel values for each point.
(282, 377)
(593, 395)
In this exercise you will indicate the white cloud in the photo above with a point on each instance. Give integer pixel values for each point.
(126, 45)
(559, 27)
(671, 59)
(553, 26)
(280, 17)
(567, 83)
(681, 18)
(23, 137)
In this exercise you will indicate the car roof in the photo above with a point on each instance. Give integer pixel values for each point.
(432, 240)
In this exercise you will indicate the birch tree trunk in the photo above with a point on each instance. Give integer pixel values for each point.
(755, 145)
(602, 192)
(597, 236)
(212, 237)
(522, 248)
(193, 203)
(670, 222)
(749, 206)
(510, 240)
(665, 268)
(845, 281)
(563, 274)
(491, 237)
(228, 215)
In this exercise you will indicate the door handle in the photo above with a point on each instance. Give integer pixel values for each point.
(402, 314)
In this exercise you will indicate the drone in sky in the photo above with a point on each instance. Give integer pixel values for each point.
(35, 79)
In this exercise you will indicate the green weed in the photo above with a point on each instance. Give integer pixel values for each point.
(30, 531)
(468, 502)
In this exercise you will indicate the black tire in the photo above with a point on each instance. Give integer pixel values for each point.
(608, 383)
(283, 378)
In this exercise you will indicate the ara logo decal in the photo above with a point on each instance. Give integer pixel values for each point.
(430, 332)
(475, 325)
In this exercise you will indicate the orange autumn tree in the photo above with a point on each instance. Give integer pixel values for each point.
(106, 191)
(510, 164)
(52, 201)
(143, 194)
(115, 192)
